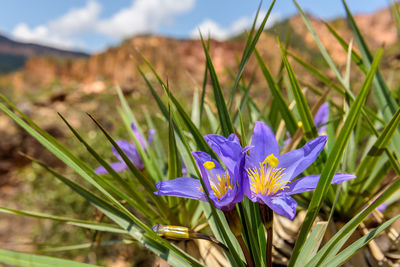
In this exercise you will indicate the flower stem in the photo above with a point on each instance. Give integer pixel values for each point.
(246, 252)
(267, 216)
(235, 225)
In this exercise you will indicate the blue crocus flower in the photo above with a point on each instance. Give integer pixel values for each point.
(270, 175)
(320, 120)
(224, 185)
(130, 150)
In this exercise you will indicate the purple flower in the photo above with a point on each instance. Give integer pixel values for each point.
(321, 118)
(270, 175)
(320, 121)
(130, 150)
(224, 185)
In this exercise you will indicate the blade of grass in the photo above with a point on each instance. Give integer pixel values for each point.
(337, 241)
(369, 162)
(129, 222)
(343, 256)
(249, 48)
(310, 130)
(287, 115)
(31, 260)
(333, 160)
(223, 113)
(137, 201)
(81, 223)
(387, 103)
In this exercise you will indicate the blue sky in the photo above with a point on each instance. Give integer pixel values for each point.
(93, 25)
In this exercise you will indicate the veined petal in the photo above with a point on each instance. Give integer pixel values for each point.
(322, 117)
(228, 149)
(281, 204)
(310, 182)
(296, 161)
(181, 187)
(117, 166)
(263, 142)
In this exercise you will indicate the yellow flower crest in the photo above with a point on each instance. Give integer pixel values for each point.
(209, 165)
(267, 179)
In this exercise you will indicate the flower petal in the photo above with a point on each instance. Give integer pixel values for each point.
(310, 182)
(282, 204)
(201, 158)
(228, 149)
(263, 142)
(296, 161)
(117, 166)
(139, 136)
(181, 187)
(322, 117)
(151, 135)
(130, 151)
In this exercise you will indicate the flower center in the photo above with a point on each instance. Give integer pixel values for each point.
(219, 184)
(267, 179)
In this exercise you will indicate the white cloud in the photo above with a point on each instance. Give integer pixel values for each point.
(211, 28)
(143, 16)
(61, 32)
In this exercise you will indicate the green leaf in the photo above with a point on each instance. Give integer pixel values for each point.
(174, 162)
(312, 243)
(249, 48)
(343, 256)
(135, 200)
(31, 260)
(386, 101)
(310, 130)
(326, 253)
(228, 239)
(287, 115)
(145, 181)
(223, 113)
(129, 222)
(371, 159)
(334, 160)
(81, 223)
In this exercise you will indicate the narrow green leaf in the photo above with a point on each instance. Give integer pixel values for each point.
(374, 154)
(81, 223)
(287, 115)
(387, 103)
(147, 184)
(338, 240)
(129, 222)
(310, 130)
(343, 256)
(223, 113)
(249, 48)
(312, 244)
(334, 159)
(135, 201)
(174, 162)
(31, 260)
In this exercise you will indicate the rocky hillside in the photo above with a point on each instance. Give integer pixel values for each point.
(13, 54)
(182, 61)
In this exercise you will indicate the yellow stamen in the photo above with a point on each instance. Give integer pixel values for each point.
(271, 160)
(267, 179)
(300, 124)
(220, 185)
(209, 165)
